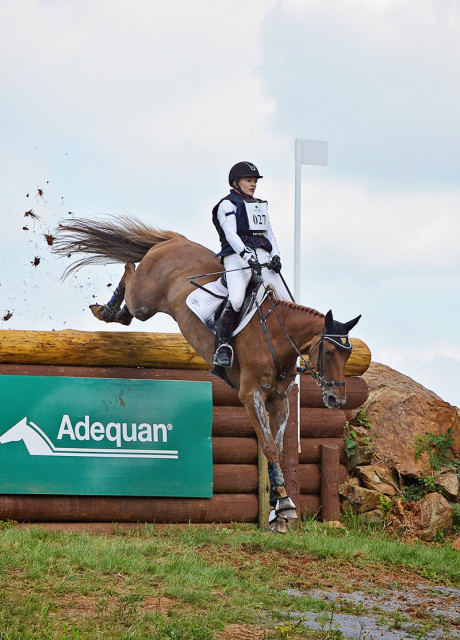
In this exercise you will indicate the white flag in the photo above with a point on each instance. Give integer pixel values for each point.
(312, 152)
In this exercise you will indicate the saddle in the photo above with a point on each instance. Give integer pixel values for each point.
(208, 301)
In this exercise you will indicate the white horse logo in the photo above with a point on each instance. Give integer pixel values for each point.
(38, 444)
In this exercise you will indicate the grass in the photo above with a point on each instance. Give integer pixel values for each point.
(183, 583)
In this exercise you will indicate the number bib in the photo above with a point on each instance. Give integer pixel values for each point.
(257, 217)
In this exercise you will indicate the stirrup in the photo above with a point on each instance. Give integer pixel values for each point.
(223, 356)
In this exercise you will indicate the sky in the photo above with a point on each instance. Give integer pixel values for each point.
(139, 108)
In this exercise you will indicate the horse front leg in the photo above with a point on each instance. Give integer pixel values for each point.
(112, 311)
(278, 410)
(284, 508)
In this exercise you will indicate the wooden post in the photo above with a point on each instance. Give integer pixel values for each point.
(290, 448)
(330, 501)
(264, 490)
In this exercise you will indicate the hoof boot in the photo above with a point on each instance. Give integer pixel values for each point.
(286, 508)
(124, 317)
(101, 312)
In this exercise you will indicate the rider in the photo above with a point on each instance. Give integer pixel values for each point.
(247, 240)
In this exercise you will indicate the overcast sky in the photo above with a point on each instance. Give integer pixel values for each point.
(140, 108)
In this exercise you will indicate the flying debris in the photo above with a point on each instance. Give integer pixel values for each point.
(32, 215)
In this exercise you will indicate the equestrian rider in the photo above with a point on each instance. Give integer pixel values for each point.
(247, 240)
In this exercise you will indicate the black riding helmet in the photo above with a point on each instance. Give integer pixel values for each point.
(243, 170)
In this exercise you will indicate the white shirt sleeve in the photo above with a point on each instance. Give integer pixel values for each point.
(227, 220)
(272, 240)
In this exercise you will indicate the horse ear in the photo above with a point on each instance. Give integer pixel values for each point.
(328, 321)
(352, 323)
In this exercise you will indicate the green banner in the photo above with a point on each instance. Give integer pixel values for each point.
(93, 436)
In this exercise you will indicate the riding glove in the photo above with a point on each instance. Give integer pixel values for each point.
(275, 264)
(255, 265)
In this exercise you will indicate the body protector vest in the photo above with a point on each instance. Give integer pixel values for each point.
(251, 223)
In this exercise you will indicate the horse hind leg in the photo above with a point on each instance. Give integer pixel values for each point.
(112, 311)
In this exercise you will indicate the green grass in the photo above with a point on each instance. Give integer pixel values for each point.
(181, 584)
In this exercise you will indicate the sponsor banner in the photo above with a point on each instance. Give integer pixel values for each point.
(94, 436)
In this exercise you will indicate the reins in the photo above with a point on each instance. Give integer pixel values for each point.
(317, 372)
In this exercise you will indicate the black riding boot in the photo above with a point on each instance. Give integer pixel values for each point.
(223, 356)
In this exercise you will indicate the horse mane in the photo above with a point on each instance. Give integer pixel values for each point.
(118, 239)
(298, 307)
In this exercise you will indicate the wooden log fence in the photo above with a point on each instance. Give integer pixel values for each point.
(312, 474)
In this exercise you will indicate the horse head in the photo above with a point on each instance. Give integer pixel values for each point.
(15, 433)
(330, 355)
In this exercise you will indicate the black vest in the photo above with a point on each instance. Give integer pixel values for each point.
(242, 226)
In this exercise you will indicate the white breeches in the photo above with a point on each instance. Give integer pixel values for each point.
(237, 281)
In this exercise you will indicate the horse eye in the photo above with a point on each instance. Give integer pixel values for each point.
(328, 353)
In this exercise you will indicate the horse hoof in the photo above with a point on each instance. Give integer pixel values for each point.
(279, 525)
(101, 312)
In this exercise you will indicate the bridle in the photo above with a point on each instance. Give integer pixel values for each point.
(317, 371)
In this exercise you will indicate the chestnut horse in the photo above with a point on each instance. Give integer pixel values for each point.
(266, 350)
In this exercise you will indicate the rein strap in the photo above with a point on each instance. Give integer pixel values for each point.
(316, 374)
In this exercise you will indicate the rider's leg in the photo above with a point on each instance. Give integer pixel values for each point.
(271, 278)
(237, 280)
(223, 356)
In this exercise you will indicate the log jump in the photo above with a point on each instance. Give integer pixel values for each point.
(316, 471)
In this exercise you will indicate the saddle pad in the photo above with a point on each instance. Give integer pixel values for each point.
(204, 305)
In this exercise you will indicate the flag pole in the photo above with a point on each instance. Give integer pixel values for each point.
(298, 175)
(313, 152)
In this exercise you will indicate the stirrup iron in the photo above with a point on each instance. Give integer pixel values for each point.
(224, 351)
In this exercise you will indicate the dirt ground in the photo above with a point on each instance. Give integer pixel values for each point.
(388, 604)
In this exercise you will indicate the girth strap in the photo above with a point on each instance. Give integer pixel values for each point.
(263, 320)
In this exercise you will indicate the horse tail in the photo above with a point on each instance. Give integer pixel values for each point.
(117, 240)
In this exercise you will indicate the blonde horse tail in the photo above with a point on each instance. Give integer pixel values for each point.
(107, 241)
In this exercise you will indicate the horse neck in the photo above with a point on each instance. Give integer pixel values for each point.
(302, 324)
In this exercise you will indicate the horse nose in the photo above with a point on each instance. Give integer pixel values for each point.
(332, 402)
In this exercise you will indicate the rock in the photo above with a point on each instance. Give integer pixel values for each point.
(376, 516)
(435, 515)
(456, 544)
(350, 482)
(399, 410)
(358, 499)
(362, 455)
(378, 478)
(450, 485)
